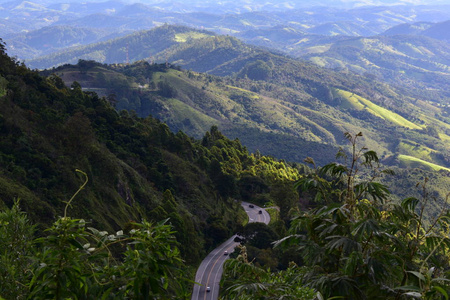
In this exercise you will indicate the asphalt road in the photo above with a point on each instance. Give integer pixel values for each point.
(210, 270)
(254, 215)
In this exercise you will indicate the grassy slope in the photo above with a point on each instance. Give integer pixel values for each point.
(360, 103)
(415, 62)
(416, 150)
(185, 36)
(202, 101)
(291, 104)
(414, 162)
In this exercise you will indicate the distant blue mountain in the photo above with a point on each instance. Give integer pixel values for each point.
(439, 31)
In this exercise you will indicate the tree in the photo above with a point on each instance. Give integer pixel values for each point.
(258, 235)
(285, 197)
(357, 244)
(56, 81)
(257, 70)
(343, 185)
(166, 89)
(16, 248)
(243, 280)
(362, 245)
(74, 261)
(2, 46)
(250, 186)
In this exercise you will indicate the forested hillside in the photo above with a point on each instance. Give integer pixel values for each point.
(130, 207)
(351, 242)
(272, 99)
(136, 168)
(126, 163)
(415, 56)
(288, 120)
(139, 45)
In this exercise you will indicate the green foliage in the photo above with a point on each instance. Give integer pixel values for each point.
(343, 186)
(357, 247)
(257, 235)
(16, 251)
(285, 198)
(137, 167)
(166, 90)
(370, 252)
(3, 83)
(58, 272)
(243, 280)
(153, 264)
(355, 244)
(75, 261)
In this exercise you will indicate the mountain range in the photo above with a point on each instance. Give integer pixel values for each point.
(177, 123)
(246, 82)
(19, 19)
(74, 152)
(263, 97)
(135, 168)
(383, 41)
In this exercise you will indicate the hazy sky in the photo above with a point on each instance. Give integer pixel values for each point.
(250, 2)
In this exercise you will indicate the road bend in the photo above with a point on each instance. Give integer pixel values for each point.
(210, 270)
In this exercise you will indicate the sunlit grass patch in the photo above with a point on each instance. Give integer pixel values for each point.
(416, 162)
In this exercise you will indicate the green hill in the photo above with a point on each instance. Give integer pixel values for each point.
(437, 31)
(418, 63)
(139, 45)
(353, 101)
(137, 168)
(262, 92)
(276, 116)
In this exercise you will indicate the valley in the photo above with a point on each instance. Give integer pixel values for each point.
(132, 132)
(268, 95)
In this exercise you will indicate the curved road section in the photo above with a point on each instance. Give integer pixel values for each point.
(210, 270)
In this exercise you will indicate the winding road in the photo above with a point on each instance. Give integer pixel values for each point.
(210, 270)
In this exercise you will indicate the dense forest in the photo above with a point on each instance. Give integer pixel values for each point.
(286, 109)
(109, 204)
(258, 95)
(126, 163)
(134, 173)
(353, 242)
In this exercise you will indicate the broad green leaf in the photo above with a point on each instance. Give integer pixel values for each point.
(440, 290)
(418, 275)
